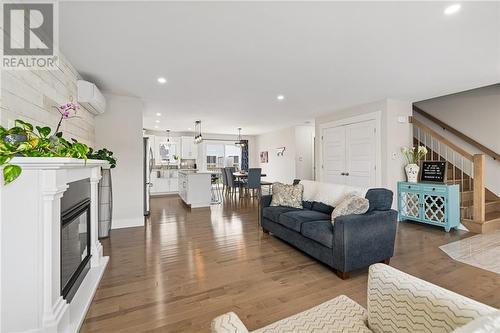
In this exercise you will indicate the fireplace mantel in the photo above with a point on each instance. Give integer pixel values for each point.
(30, 221)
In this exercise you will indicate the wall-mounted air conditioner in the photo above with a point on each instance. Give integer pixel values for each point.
(90, 97)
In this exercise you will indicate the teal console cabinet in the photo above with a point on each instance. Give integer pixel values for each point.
(436, 204)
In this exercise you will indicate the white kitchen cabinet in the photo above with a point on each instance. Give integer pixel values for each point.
(189, 150)
(167, 183)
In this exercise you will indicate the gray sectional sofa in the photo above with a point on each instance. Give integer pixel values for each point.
(353, 242)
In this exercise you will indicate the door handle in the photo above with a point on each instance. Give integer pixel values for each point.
(342, 173)
(346, 174)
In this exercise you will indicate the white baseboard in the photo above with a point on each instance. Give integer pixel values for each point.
(127, 223)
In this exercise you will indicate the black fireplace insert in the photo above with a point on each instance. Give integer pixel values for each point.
(75, 247)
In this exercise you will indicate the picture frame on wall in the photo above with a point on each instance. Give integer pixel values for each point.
(264, 157)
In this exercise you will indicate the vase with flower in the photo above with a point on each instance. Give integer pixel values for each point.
(413, 156)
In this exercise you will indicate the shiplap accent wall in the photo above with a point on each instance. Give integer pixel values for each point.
(32, 95)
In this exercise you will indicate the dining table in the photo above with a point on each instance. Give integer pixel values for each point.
(243, 175)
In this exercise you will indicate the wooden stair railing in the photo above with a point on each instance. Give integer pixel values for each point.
(456, 132)
(468, 170)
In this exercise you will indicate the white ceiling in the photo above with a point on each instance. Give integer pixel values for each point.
(226, 62)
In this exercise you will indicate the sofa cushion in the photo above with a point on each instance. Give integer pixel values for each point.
(380, 199)
(321, 207)
(294, 220)
(273, 213)
(319, 231)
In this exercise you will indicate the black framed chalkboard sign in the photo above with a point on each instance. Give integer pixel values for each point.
(433, 171)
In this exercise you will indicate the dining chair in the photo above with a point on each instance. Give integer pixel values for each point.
(232, 183)
(224, 180)
(253, 180)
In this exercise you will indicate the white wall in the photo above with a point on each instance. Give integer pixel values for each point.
(476, 113)
(394, 135)
(31, 95)
(297, 160)
(120, 130)
(304, 152)
(279, 168)
(397, 135)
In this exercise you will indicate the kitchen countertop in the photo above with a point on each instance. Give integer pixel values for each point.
(191, 171)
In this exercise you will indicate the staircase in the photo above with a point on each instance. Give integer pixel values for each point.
(480, 208)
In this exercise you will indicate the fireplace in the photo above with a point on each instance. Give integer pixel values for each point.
(44, 222)
(75, 237)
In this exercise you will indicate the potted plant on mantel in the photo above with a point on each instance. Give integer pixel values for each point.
(413, 157)
(26, 140)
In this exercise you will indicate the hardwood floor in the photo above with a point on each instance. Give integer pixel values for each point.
(186, 267)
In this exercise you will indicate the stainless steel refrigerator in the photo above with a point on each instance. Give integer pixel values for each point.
(148, 167)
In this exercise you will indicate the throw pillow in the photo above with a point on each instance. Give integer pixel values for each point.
(352, 204)
(287, 195)
(310, 189)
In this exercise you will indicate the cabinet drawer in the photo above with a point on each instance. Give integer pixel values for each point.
(434, 189)
(410, 187)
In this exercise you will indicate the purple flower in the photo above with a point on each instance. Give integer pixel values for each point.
(65, 114)
(65, 108)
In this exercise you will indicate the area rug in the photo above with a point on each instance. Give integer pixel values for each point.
(482, 251)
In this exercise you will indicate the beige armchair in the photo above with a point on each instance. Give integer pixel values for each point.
(397, 302)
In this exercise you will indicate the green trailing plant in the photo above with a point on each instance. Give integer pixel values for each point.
(102, 154)
(27, 140)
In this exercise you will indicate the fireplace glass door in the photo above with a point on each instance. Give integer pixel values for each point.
(75, 250)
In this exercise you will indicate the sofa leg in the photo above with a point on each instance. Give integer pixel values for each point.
(265, 231)
(343, 275)
(386, 261)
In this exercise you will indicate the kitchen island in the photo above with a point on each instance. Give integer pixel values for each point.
(195, 188)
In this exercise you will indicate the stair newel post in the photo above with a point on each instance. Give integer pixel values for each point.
(479, 192)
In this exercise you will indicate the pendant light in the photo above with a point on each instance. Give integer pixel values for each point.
(240, 142)
(198, 138)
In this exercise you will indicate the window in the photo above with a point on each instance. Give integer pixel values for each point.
(221, 155)
(215, 156)
(233, 156)
(167, 152)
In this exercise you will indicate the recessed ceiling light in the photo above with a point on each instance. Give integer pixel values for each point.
(158, 114)
(452, 9)
(162, 80)
(156, 126)
(157, 121)
(280, 97)
(190, 129)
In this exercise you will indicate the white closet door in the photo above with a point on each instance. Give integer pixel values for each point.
(360, 154)
(334, 152)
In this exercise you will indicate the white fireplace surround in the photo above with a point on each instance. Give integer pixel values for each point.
(30, 226)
